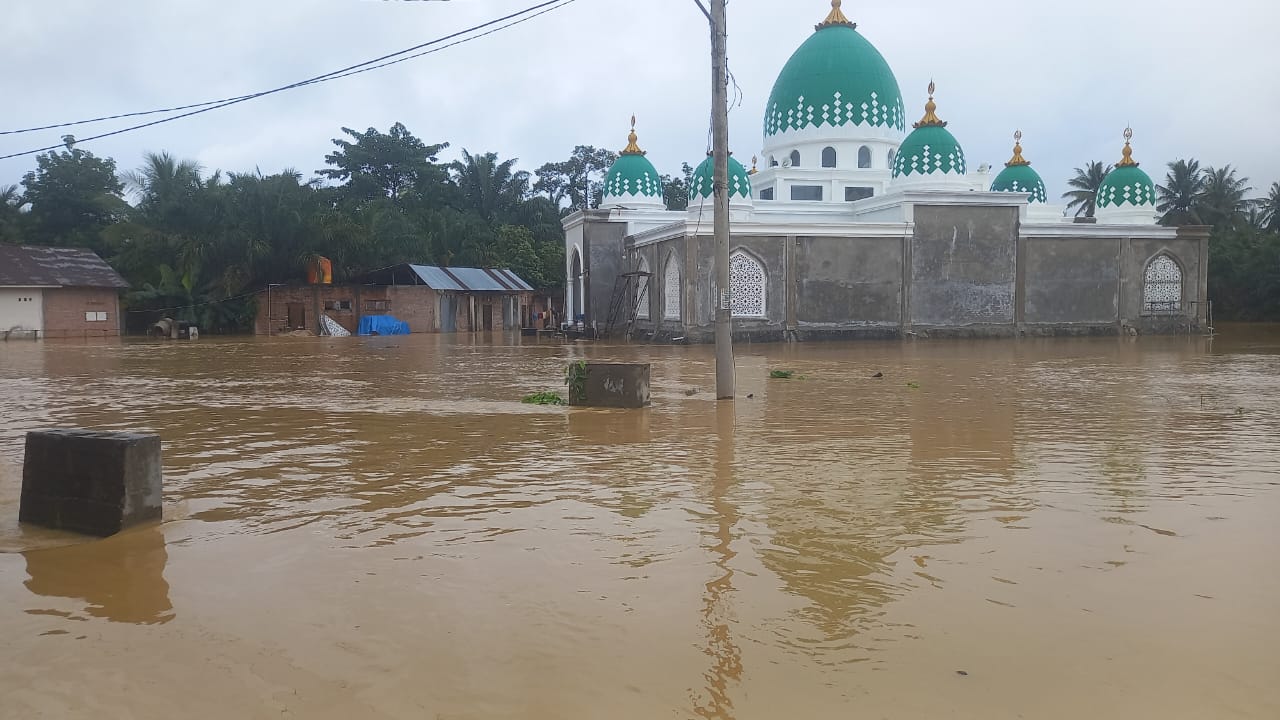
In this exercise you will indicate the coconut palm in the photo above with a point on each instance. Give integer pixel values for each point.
(1223, 201)
(163, 180)
(1270, 209)
(10, 201)
(1180, 195)
(1084, 196)
(489, 187)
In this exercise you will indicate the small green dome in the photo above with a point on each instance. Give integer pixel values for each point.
(1021, 178)
(835, 78)
(1018, 176)
(1127, 185)
(929, 150)
(633, 175)
(703, 187)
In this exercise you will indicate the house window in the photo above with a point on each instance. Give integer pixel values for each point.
(377, 305)
(766, 194)
(337, 305)
(864, 157)
(795, 158)
(1162, 286)
(642, 291)
(92, 316)
(828, 157)
(852, 194)
(806, 192)
(747, 283)
(671, 290)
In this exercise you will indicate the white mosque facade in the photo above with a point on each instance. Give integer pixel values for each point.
(859, 223)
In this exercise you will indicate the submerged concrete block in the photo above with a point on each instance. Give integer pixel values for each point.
(96, 483)
(617, 385)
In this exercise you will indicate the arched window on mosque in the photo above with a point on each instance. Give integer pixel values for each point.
(642, 291)
(864, 157)
(893, 155)
(671, 290)
(773, 162)
(795, 158)
(1162, 286)
(747, 285)
(828, 157)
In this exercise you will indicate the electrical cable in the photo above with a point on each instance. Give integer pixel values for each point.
(375, 64)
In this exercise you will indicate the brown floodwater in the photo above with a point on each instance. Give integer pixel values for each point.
(377, 528)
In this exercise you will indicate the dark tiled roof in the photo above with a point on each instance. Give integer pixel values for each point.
(39, 266)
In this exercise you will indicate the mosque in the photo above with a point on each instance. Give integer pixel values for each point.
(852, 224)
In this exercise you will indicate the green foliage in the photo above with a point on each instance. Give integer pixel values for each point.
(913, 385)
(575, 376)
(782, 374)
(578, 180)
(544, 398)
(1085, 184)
(675, 191)
(74, 196)
(383, 165)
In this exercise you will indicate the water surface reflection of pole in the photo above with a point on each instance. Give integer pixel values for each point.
(726, 656)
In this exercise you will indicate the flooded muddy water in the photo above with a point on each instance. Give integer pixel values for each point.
(377, 528)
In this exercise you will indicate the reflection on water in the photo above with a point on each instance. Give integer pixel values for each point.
(378, 528)
(121, 578)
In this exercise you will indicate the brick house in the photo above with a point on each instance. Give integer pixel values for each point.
(430, 299)
(52, 292)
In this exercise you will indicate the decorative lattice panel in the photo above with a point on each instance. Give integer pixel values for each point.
(671, 290)
(747, 282)
(642, 291)
(1162, 287)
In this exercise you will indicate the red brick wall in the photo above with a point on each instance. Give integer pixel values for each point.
(64, 310)
(416, 305)
(313, 299)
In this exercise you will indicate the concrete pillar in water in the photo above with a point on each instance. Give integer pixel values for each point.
(96, 483)
(616, 385)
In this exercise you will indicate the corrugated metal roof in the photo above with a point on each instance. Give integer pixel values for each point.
(436, 278)
(38, 266)
(478, 280)
(515, 279)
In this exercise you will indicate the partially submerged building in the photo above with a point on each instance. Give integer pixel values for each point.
(430, 299)
(859, 224)
(55, 292)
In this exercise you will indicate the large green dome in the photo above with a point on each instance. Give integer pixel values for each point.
(835, 78)
(633, 175)
(1018, 176)
(703, 185)
(1127, 185)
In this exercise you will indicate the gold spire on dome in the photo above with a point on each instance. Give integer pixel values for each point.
(632, 148)
(836, 18)
(1017, 160)
(930, 118)
(754, 160)
(1127, 160)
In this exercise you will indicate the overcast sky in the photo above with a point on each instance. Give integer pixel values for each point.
(1194, 79)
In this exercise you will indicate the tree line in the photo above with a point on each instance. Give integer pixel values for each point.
(1244, 246)
(203, 243)
(199, 245)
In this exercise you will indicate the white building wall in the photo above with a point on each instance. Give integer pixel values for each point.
(21, 309)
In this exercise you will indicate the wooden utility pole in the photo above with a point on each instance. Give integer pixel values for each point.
(720, 149)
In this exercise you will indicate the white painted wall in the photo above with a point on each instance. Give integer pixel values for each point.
(21, 309)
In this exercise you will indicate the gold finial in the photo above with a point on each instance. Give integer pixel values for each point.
(1017, 152)
(835, 19)
(1127, 160)
(632, 148)
(930, 118)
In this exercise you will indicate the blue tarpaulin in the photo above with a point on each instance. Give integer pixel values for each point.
(382, 325)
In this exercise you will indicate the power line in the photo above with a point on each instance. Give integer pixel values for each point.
(374, 64)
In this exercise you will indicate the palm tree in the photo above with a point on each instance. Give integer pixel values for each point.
(10, 201)
(1179, 197)
(489, 187)
(1086, 183)
(1223, 200)
(1270, 207)
(164, 180)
